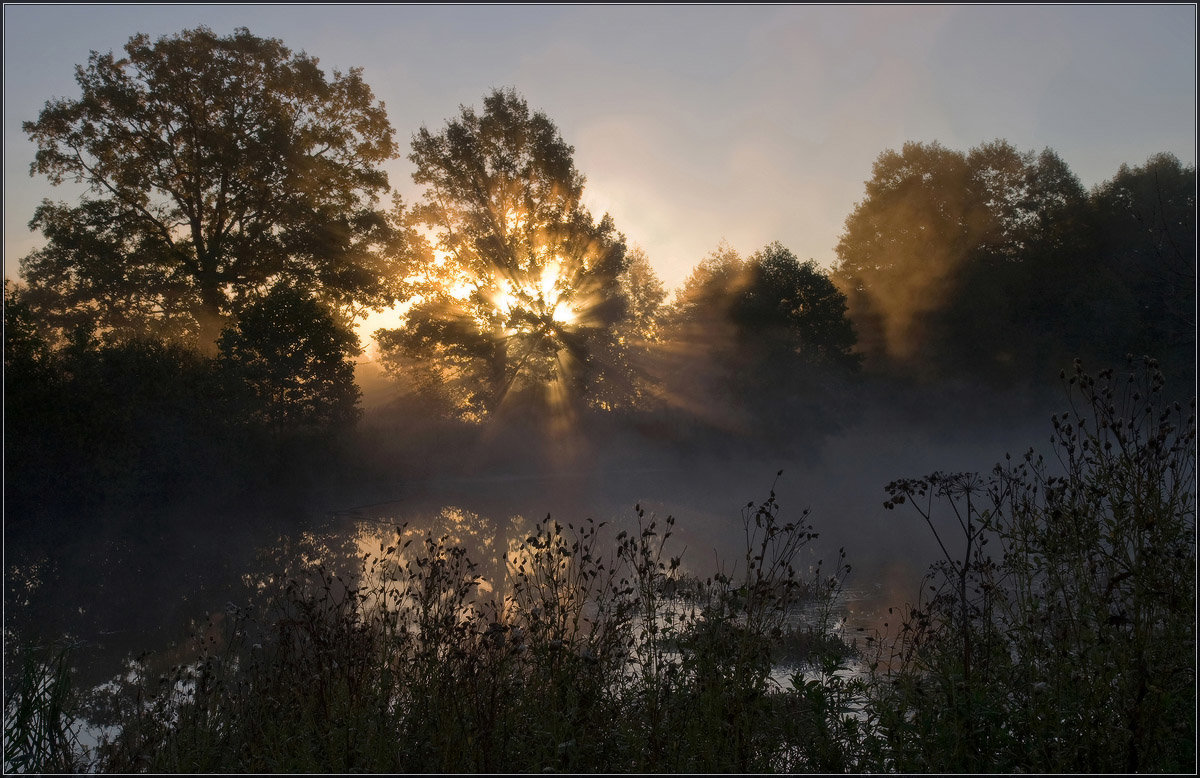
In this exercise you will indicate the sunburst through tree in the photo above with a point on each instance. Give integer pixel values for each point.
(521, 296)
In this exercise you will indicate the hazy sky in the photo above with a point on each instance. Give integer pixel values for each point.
(696, 124)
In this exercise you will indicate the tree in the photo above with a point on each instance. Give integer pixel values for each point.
(793, 312)
(295, 360)
(981, 264)
(902, 244)
(1146, 219)
(769, 305)
(625, 381)
(644, 292)
(525, 292)
(1030, 296)
(216, 168)
(766, 339)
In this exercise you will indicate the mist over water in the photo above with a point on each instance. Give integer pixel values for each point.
(161, 578)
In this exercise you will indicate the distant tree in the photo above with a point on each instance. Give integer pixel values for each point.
(625, 382)
(794, 313)
(24, 347)
(707, 294)
(1028, 297)
(295, 360)
(769, 302)
(1146, 219)
(216, 168)
(986, 264)
(645, 294)
(766, 338)
(902, 244)
(525, 293)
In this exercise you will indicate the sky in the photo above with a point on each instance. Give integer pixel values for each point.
(694, 125)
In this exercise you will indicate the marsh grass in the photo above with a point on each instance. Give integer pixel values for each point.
(40, 725)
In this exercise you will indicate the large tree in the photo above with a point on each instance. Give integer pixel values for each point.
(904, 242)
(524, 293)
(216, 168)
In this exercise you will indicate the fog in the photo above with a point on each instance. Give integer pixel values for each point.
(126, 592)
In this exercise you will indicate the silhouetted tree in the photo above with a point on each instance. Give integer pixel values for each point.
(216, 168)
(24, 346)
(645, 294)
(624, 382)
(1026, 299)
(1145, 218)
(996, 264)
(793, 313)
(525, 292)
(902, 244)
(767, 337)
(296, 361)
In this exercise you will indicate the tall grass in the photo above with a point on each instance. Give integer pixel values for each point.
(595, 653)
(40, 726)
(1058, 632)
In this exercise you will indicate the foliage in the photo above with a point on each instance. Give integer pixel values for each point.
(903, 242)
(1069, 645)
(215, 168)
(24, 348)
(525, 291)
(1146, 221)
(590, 655)
(39, 722)
(93, 430)
(793, 311)
(296, 361)
(625, 382)
(996, 264)
(766, 337)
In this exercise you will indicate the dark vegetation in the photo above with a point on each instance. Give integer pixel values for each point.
(179, 365)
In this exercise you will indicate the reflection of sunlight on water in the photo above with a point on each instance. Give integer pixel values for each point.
(487, 543)
(375, 559)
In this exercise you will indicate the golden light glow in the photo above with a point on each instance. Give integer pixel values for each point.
(527, 310)
(549, 280)
(564, 314)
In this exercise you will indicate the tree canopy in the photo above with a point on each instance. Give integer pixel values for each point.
(998, 264)
(523, 293)
(765, 339)
(1145, 221)
(216, 168)
(769, 302)
(792, 310)
(295, 361)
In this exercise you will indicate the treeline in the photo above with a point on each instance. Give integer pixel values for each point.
(92, 427)
(201, 295)
(997, 265)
